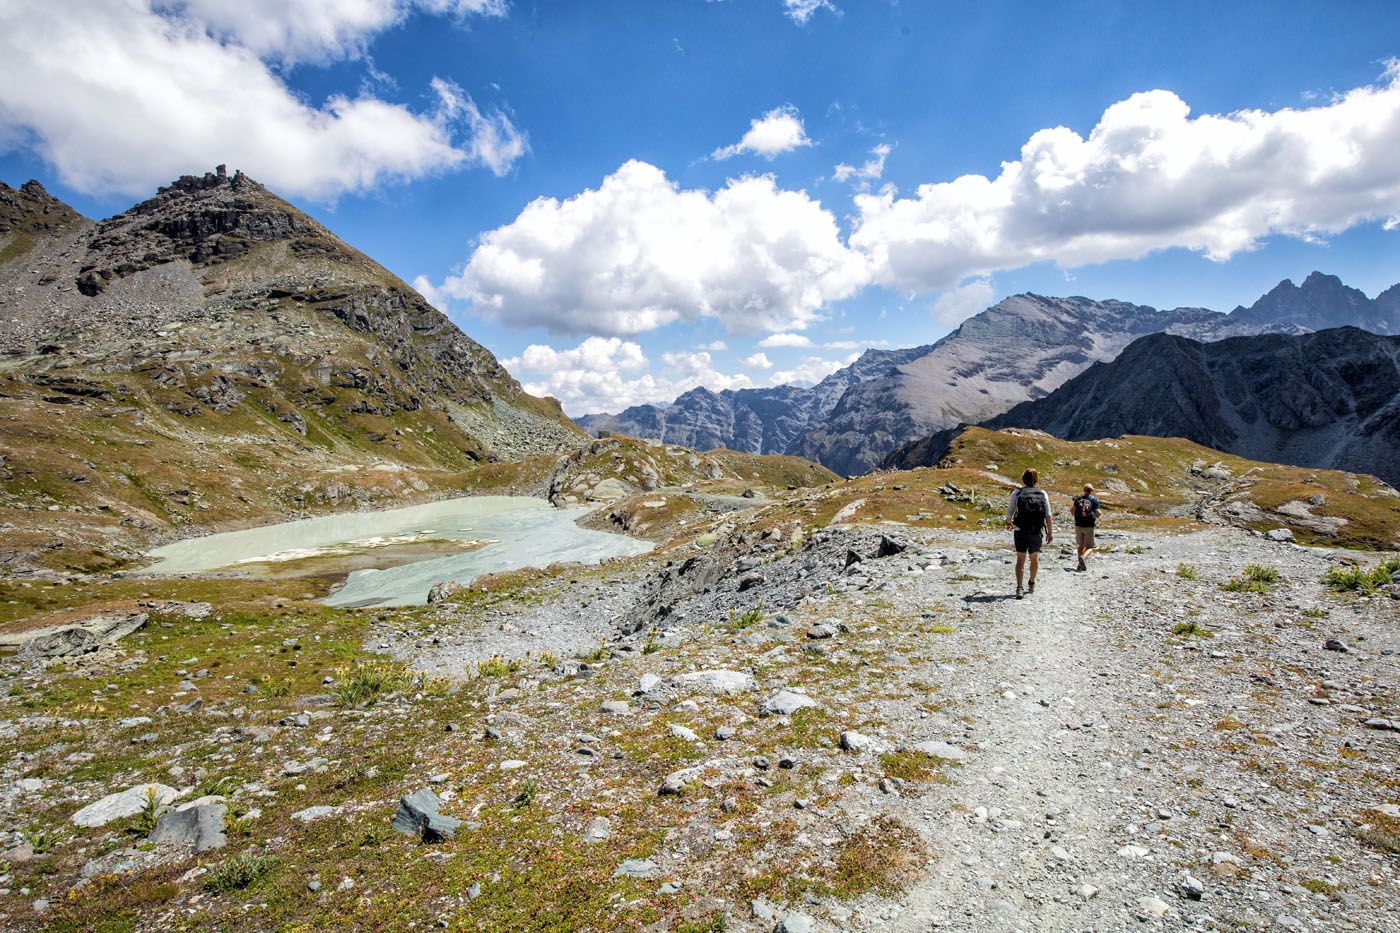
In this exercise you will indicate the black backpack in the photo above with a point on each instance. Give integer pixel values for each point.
(1031, 506)
(1084, 511)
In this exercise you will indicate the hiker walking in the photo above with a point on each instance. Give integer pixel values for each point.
(1086, 516)
(1027, 516)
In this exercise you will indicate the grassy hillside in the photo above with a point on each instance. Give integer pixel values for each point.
(1162, 481)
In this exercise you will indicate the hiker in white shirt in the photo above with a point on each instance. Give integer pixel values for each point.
(1027, 516)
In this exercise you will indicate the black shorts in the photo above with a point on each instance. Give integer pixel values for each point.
(1028, 542)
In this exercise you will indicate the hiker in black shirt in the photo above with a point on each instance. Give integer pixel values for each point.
(1086, 516)
(1027, 516)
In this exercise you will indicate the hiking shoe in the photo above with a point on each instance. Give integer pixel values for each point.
(1019, 594)
(1082, 566)
(1030, 587)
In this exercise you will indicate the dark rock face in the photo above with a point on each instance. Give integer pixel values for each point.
(1325, 399)
(1024, 347)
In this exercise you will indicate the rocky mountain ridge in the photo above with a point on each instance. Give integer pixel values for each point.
(1022, 348)
(1327, 399)
(213, 354)
(766, 420)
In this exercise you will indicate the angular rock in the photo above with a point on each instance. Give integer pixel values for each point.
(598, 829)
(936, 749)
(199, 827)
(121, 805)
(717, 681)
(637, 868)
(794, 922)
(418, 816)
(785, 703)
(443, 589)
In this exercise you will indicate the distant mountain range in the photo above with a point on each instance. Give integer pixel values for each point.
(1325, 399)
(1020, 349)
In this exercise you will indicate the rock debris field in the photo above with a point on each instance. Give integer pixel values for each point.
(862, 730)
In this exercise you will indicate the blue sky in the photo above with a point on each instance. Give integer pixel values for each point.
(419, 130)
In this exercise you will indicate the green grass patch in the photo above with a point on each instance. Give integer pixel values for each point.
(1188, 571)
(238, 872)
(1255, 578)
(1192, 629)
(1355, 579)
(365, 682)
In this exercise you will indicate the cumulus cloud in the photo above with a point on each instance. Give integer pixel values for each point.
(639, 253)
(785, 340)
(800, 11)
(1148, 177)
(120, 95)
(758, 361)
(593, 376)
(869, 171)
(777, 131)
(958, 304)
(715, 345)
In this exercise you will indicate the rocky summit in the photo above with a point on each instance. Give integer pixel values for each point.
(1020, 349)
(214, 355)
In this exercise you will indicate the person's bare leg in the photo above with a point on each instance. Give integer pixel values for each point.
(1035, 566)
(1020, 568)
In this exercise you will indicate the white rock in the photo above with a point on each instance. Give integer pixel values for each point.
(785, 703)
(648, 683)
(1152, 907)
(512, 764)
(717, 681)
(936, 749)
(126, 803)
(681, 732)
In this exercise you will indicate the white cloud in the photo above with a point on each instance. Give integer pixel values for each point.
(854, 344)
(639, 253)
(867, 172)
(777, 131)
(121, 95)
(592, 376)
(313, 30)
(800, 11)
(589, 377)
(958, 304)
(758, 361)
(493, 141)
(785, 340)
(810, 371)
(715, 345)
(430, 292)
(1148, 177)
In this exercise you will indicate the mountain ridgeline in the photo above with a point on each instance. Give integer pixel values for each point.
(1022, 348)
(1328, 399)
(214, 355)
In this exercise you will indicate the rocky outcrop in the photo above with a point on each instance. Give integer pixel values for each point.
(1326, 399)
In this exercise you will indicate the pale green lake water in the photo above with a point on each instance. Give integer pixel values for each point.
(523, 532)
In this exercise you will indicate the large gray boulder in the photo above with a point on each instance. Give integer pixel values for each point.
(418, 816)
(199, 827)
(72, 641)
(124, 804)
